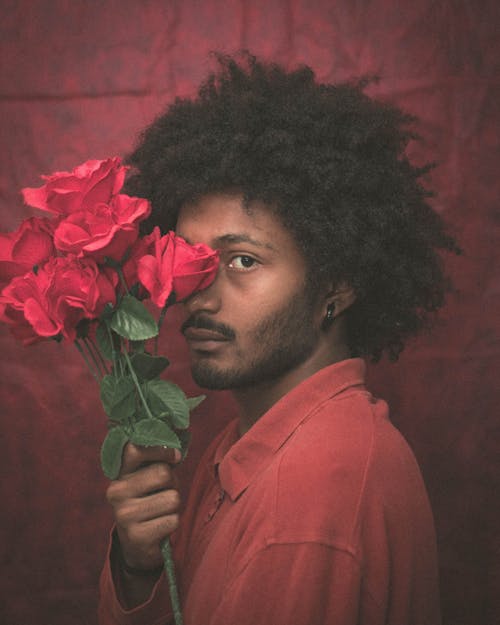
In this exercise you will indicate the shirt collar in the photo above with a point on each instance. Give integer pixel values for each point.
(238, 461)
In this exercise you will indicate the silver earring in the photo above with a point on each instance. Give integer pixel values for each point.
(328, 320)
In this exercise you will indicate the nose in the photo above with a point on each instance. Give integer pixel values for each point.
(208, 300)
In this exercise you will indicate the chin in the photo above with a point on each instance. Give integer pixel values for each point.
(210, 377)
(217, 379)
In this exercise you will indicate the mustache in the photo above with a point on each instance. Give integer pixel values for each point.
(205, 323)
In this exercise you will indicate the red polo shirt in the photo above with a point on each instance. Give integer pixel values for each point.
(316, 516)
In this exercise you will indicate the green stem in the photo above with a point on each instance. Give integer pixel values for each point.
(170, 301)
(113, 352)
(97, 351)
(87, 361)
(160, 321)
(166, 548)
(137, 384)
(122, 279)
(91, 353)
(120, 361)
(166, 551)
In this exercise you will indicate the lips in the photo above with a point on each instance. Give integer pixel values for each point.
(202, 335)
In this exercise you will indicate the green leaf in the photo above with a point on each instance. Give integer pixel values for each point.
(166, 396)
(185, 438)
(124, 410)
(133, 321)
(193, 402)
(141, 412)
(107, 311)
(111, 452)
(137, 346)
(118, 397)
(148, 367)
(104, 341)
(152, 432)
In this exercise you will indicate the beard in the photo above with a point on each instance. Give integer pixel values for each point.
(277, 344)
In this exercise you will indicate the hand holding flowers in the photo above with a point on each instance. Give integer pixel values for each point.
(83, 275)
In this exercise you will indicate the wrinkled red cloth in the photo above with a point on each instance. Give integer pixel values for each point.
(317, 515)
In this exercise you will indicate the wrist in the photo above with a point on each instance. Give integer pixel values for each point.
(134, 571)
(133, 586)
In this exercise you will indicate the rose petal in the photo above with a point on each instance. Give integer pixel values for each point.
(39, 319)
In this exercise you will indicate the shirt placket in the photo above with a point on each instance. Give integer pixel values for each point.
(216, 504)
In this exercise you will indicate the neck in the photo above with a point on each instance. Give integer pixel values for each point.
(256, 400)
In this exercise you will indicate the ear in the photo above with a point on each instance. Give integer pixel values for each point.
(342, 297)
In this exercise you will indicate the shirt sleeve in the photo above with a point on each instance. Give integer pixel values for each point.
(155, 611)
(296, 584)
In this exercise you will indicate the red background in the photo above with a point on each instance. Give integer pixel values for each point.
(79, 80)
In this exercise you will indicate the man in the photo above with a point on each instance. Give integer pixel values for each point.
(309, 508)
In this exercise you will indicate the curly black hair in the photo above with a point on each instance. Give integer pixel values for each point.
(331, 162)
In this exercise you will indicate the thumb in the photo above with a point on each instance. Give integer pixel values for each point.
(135, 456)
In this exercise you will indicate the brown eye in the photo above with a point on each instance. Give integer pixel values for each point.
(242, 262)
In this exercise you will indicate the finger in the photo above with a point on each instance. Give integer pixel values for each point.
(140, 542)
(143, 482)
(135, 456)
(145, 509)
(155, 530)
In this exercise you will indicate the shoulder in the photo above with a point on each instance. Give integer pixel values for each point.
(351, 432)
(345, 457)
(343, 436)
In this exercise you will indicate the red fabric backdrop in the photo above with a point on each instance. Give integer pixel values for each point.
(79, 79)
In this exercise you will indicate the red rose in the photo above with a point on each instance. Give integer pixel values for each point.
(91, 183)
(195, 268)
(102, 229)
(21, 329)
(176, 266)
(142, 247)
(31, 244)
(54, 300)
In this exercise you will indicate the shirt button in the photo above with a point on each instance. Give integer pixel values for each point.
(216, 505)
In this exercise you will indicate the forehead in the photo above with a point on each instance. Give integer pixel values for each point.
(222, 218)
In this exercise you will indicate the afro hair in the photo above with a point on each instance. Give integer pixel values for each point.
(331, 162)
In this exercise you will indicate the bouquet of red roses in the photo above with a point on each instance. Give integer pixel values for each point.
(83, 275)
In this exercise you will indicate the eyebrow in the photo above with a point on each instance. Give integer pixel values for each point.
(231, 239)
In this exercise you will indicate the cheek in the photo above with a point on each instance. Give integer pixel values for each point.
(280, 291)
(246, 309)
(249, 314)
(279, 285)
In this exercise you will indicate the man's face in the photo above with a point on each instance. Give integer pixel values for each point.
(256, 322)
